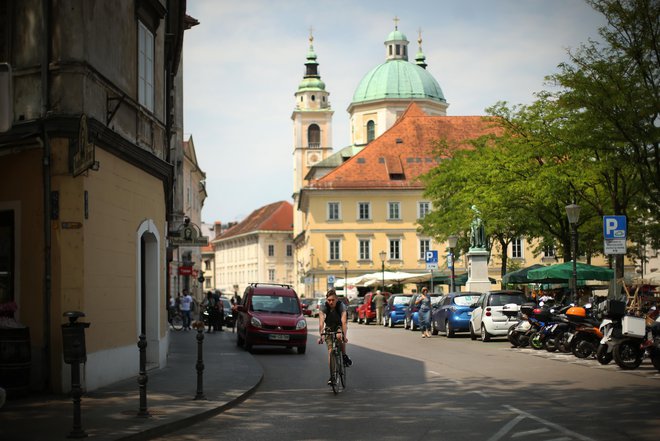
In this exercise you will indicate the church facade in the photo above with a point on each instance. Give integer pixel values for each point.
(357, 210)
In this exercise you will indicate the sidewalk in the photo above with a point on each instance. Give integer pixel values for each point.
(109, 413)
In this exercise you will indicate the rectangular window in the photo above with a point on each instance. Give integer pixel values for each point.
(423, 208)
(334, 247)
(333, 211)
(424, 246)
(549, 251)
(395, 249)
(271, 275)
(394, 210)
(365, 249)
(289, 250)
(364, 210)
(517, 248)
(271, 250)
(145, 67)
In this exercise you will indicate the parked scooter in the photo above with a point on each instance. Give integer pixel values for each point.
(613, 312)
(637, 338)
(518, 334)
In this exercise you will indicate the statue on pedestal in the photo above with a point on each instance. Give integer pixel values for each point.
(477, 231)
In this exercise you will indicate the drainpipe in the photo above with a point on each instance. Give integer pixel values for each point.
(45, 93)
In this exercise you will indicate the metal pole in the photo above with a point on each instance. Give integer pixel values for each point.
(574, 246)
(200, 364)
(142, 377)
(76, 392)
(383, 271)
(451, 284)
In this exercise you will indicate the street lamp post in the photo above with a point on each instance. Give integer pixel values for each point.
(311, 269)
(383, 255)
(452, 241)
(344, 263)
(573, 213)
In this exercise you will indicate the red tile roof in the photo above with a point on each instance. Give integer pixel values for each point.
(277, 216)
(399, 156)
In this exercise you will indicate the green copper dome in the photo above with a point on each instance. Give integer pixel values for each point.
(396, 35)
(398, 79)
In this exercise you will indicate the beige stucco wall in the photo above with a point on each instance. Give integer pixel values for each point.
(95, 268)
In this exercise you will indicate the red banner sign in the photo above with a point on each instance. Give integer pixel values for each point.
(185, 270)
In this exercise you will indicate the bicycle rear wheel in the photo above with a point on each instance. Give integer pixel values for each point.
(177, 322)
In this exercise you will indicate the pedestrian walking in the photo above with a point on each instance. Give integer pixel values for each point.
(186, 306)
(424, 302)
(379, 302)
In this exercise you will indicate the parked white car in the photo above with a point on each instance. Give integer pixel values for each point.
(487, 318)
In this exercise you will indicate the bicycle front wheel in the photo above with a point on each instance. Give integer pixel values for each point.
(339, 371)
(334, 376)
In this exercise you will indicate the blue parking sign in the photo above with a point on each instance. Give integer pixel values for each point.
(614, 227)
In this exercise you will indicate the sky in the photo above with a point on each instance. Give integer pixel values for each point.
(244, 61)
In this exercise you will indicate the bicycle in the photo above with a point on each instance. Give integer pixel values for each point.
(176, 319)
(337, 368)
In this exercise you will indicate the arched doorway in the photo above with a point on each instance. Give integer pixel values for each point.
(148, 289)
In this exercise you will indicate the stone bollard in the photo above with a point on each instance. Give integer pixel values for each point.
(200, 363)
(142, 377)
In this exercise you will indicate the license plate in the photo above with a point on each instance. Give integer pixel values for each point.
(279, 337)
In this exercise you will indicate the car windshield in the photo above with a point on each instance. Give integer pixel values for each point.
(401, 300)
(503, 299)
(465, 300)
(275, 304)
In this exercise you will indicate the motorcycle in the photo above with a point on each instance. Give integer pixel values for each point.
(582, 336)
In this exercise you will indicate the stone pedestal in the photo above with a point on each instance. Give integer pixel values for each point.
(477, 271)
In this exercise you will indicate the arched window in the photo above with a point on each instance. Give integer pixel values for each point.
(313, 136)
(371, 130)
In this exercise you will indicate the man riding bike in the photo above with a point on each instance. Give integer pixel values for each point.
(333, 315)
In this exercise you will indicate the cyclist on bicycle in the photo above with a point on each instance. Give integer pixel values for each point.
(333, 315)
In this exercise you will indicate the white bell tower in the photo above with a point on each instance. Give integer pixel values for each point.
(312, 128)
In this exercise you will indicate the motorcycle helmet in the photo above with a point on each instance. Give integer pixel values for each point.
(577, 311)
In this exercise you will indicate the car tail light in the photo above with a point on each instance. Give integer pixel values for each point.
(488, 313)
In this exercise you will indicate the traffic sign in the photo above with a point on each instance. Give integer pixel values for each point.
(331, 279)
(614, 234)
(432, 259)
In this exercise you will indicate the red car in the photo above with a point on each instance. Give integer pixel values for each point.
(366, 312)
(271, 315)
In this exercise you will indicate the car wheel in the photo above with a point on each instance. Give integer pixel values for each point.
(390, 322)
(413, 326)
(449, 331)
(366, 320)
(485, 336)
(302, 349)
(473, 336)
(354, 317)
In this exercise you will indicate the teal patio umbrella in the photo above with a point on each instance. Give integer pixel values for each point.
(564, 271)
(520, 276)
(459, 280)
